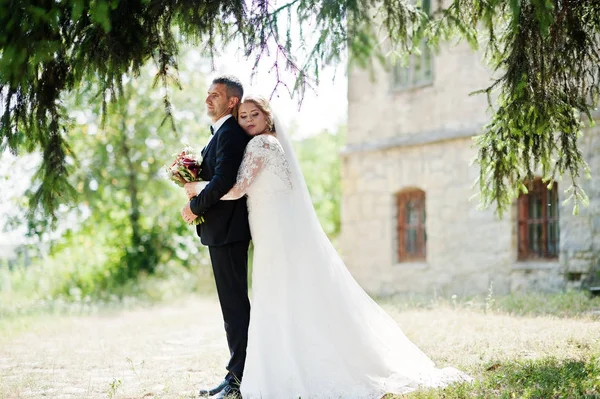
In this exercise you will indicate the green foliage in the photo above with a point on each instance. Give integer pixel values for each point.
(529, 379)
(125, 224)
(545, 52)
(320, 161)
(126, 218)
(78, 282)
(49, 49)
(546, 56)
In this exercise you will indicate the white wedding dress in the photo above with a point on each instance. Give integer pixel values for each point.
(314, 332)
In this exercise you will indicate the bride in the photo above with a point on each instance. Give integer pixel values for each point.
(314, 333)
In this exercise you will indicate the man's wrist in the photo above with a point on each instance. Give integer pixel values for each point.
(194, 211)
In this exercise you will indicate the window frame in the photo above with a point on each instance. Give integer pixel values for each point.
(410, 82)
(426, 53)
(549, 198)
(403, 198)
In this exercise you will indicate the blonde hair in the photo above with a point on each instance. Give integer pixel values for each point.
(264, 106)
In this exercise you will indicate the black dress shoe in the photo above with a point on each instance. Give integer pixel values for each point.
(215, 390)
(229, 392)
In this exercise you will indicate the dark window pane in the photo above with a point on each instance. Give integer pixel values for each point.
(417, 69)
(553, 238)
(426, 4)
(535, 237)
(411, 241)
(401, 76)
(535, 207)
(411, 225)
(552, 208)
(412, 213)
(427, 67)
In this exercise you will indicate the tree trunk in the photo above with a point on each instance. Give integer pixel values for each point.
(132, 187)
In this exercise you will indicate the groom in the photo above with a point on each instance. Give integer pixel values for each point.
(225, 229)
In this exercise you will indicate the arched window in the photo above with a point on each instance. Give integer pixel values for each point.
(538, 228)
(412, 237)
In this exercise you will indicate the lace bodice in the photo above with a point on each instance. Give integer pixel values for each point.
(264, 169)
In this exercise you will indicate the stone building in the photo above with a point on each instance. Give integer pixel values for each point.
(409, 223)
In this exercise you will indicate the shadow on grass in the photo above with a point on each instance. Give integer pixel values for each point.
(547, 378)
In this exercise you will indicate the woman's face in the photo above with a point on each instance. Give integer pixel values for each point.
(252, 119)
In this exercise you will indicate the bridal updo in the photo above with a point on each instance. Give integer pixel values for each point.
(265, 107)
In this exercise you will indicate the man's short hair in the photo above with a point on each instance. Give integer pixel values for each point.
(233, 85)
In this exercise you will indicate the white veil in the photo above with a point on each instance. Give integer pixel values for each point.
(333, 340)
(300, 188)
(380, 339)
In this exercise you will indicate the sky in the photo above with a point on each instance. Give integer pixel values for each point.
(323, 108)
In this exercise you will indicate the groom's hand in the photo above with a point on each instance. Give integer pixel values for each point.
(187, 214)
(193, 189)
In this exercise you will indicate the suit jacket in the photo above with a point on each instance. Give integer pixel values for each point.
(225, 222)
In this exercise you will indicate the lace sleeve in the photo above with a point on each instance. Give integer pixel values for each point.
(254, 161)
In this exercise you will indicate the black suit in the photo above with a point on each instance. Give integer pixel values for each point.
(227, 234)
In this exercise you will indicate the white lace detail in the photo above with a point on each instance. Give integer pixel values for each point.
(263, 155)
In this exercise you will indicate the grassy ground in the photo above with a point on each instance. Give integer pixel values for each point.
(516, 347)
(543, 378)
(29, 306)
(510, 356)
(526, 345)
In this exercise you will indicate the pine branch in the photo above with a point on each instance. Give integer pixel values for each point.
(546, 53)
(549, 76)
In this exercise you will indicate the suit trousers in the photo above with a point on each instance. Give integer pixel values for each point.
(230, 268)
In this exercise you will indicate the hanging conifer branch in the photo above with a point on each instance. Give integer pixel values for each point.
(545, 52)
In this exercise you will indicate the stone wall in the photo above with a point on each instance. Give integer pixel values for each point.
(467, 249)
(421, 138)
(579, 258)
(376, 111)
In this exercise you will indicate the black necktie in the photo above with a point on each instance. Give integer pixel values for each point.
(212, 130)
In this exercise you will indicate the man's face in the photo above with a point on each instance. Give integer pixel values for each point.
(217, 103)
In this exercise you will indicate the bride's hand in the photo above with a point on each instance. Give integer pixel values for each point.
(194, 188)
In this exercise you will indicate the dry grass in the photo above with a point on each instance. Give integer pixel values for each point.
(170, 351)
(158, 352)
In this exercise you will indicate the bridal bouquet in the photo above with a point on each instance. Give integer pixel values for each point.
(185, 169)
